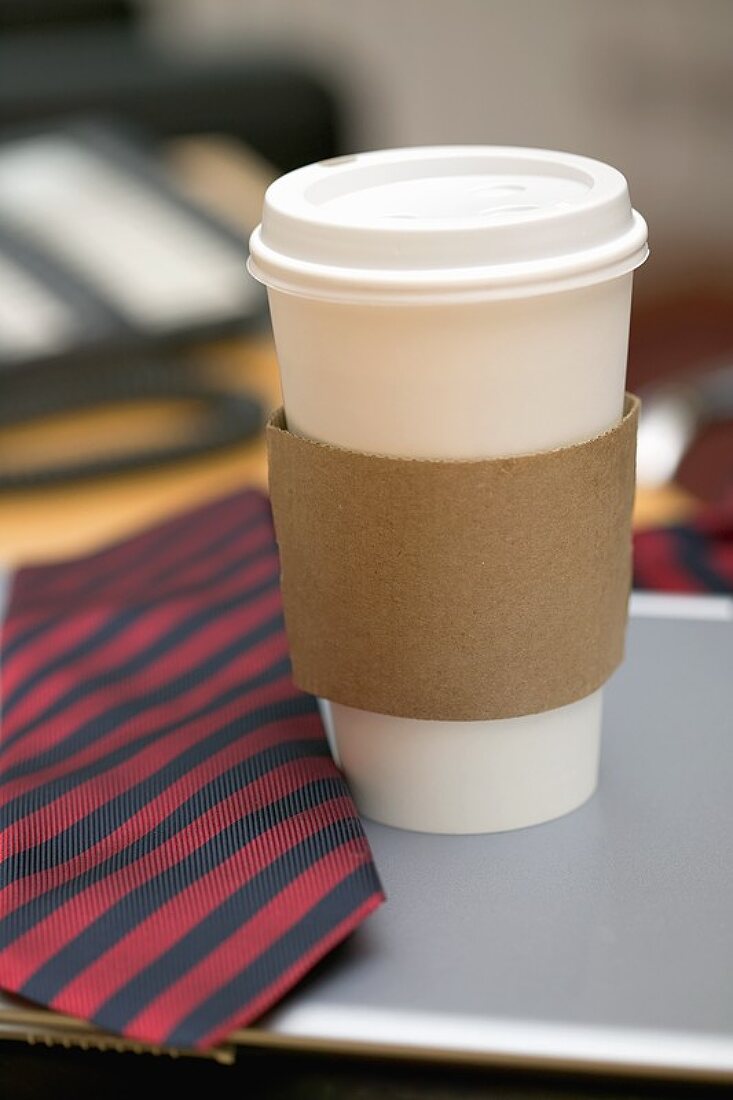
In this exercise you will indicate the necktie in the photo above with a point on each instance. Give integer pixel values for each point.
(177, 846)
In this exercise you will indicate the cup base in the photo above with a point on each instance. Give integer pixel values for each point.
(468, 777)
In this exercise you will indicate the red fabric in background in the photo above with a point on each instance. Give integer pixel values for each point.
(694, 557)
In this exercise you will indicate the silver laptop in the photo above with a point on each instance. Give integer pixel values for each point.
(601, 941)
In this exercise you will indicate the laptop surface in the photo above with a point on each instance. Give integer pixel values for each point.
(600, 941)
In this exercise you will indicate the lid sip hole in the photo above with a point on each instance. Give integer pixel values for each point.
(508, 209)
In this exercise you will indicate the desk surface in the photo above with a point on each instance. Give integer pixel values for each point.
(45, 524)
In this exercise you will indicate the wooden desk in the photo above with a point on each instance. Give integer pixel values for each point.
(45, 524)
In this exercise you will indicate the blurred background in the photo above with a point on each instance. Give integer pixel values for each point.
(136, 140)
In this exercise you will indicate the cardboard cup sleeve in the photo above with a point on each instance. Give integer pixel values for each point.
(454, 590)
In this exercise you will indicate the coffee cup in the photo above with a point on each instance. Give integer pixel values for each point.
(454, 303)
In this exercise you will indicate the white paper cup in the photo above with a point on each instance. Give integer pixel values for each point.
(454, 303)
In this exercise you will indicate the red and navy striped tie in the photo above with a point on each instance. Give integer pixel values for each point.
(693, 557)
(178, 848)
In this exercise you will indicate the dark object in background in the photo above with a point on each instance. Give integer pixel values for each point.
(62, 13)
(100, 252)
(109, 69)
(101, 255)
(224, 419)
(61, 59)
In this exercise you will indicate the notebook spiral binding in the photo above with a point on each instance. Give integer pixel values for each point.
(72, 1034)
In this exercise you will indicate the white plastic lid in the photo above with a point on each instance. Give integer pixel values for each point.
(446, 222)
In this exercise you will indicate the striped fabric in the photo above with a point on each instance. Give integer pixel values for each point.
(177, 847)
(696, 557)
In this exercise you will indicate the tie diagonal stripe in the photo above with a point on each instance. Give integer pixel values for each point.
(178, 847)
